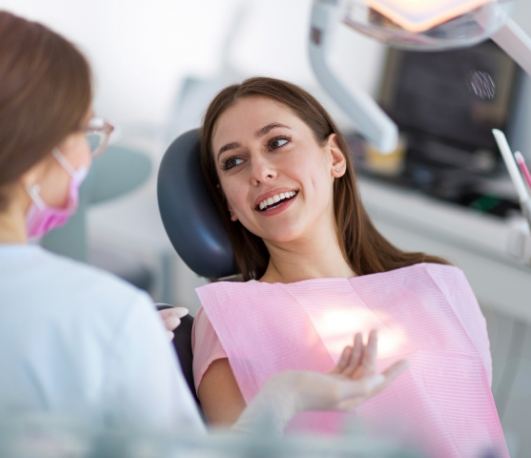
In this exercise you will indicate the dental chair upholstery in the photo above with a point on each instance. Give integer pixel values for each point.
(188, 213)
(193, 226)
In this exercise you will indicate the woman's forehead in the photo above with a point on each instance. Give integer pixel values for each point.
(249, 114)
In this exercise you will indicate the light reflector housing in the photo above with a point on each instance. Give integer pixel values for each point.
(427, 24)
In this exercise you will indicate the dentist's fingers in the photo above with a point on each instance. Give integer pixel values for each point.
(358, 345)
(370, 353)
(181, 311)
(357, 391)
(171, 317)
(357, 354)
(391, 373)
(344, 360)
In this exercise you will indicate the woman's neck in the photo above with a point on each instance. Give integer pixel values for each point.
(316, 256)
(13, 224)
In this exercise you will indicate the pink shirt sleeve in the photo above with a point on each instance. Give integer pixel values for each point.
(206, 346)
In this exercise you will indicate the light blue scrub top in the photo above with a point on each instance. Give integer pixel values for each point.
(78, 341)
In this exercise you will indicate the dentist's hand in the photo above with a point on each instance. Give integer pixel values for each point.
(356, 376)
(351, 382)
(171, 317)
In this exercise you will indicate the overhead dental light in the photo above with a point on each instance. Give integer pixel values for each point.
(409, 24)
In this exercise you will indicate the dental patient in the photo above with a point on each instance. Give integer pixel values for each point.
(314, 268)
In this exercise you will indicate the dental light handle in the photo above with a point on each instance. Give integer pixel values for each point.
(368, 117)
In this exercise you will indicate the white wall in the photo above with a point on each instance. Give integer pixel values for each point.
(140, 49)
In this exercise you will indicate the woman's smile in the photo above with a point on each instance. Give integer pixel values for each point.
(274, 199)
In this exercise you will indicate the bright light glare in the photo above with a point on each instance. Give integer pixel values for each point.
(421, 15)
(338, 326)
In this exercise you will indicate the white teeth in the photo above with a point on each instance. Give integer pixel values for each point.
(275, 199)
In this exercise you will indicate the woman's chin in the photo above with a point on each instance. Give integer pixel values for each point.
(283, 236)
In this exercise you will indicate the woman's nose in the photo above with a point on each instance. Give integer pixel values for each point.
(262, 171)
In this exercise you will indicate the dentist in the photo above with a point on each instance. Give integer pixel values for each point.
(73, 339)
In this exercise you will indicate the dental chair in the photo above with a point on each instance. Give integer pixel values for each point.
(193, 227)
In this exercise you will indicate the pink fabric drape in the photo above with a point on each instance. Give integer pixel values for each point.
(426, 313)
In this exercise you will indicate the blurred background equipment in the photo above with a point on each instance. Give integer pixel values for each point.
(24, 436)
(429, 25)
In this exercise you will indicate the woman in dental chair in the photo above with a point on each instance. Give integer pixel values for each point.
(314, 268)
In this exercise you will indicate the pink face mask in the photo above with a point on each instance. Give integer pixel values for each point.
(42, 218)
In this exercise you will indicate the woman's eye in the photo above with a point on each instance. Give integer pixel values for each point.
(278, 142)
(231, 162)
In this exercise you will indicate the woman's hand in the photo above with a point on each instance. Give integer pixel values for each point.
(171, 317)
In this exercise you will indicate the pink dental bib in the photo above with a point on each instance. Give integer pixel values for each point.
(426, 313)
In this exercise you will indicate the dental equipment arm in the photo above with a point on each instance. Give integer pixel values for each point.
(515, 42)
(369, 118)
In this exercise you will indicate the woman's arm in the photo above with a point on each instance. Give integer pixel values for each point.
(219, 394)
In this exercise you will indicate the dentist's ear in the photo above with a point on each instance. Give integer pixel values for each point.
(36, 173)
(338, 161)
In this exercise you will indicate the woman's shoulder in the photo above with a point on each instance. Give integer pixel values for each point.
(421, 269)
(223, 289)
(438, 274)
(442, 271)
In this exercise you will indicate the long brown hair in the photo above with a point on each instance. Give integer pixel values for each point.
(45, 94)
(366, 250)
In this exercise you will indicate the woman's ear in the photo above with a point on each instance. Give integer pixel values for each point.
(233, 217)
(337, 157)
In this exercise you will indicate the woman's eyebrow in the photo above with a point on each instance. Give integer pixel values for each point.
(259, 133)
(228, 147)
(264, 130)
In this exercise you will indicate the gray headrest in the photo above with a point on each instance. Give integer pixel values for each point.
(188, 212)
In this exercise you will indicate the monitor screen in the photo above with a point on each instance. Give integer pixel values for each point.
(455, 97)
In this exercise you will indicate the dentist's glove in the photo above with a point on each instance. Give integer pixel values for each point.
(171, 317)
(351, 382)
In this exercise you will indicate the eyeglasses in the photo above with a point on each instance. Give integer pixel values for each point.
(98, 133)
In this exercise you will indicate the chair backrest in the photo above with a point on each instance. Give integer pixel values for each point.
(193, 227)
(182, 343)
(188, 212)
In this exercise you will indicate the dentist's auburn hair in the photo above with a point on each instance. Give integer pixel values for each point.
(45, 94)
(366, 250)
